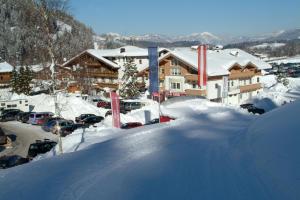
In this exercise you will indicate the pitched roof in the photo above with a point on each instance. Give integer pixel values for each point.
(96, 55)
(218, 62)
(5, 67)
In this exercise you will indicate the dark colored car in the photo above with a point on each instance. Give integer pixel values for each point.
(129, 106)
(153, 121)
(12, 161)
(3, 138)
(130, 125)
(9, 116)
(252, 109)
(25, 117)
(92, 120)
(82, 117)
(71, 128)
(40, 147)
(9, 110)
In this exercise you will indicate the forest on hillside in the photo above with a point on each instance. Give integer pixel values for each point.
(24, 41)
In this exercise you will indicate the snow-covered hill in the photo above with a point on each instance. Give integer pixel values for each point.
(209, 152)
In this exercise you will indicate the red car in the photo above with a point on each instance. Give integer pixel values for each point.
(103, 104)
(130, 125)
(166, 119)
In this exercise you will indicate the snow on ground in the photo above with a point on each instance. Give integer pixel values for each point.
(70, 106)
(276, 94)
(295, 59)
(209, 152)
(268, 45)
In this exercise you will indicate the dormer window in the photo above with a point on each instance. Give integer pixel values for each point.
(176, 71)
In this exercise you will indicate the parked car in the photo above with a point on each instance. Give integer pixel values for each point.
(129, 106)
(39, 118)
(9, 116)
(25, 117)
(12, 161)
(49, 119)
(82, 117)
(104, 104)
(70, 128)
(50, 126)
(252, 109)
(92, 120)
(153, 121)
(164, 118)
(40, 147)
(8, 110)
(130, 125)
(3, 137)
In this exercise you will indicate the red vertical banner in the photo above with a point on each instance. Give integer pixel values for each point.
(115, 109)
(202, 65)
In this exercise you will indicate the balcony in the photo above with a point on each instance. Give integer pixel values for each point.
(108, 85)
(191, 77)
(191, 92)
(250, 88)
(234, 90)
(242, 75)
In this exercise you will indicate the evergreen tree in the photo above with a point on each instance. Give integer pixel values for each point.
(281, 76)
(14, 81)
(27, 77)
(21, 80)
(129, 89)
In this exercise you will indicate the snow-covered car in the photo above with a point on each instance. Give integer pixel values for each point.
(40, 147)
(12, 161)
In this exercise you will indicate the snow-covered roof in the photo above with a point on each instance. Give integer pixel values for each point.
(96, 54)
(129, 51)
(5, 67)
(218, 62)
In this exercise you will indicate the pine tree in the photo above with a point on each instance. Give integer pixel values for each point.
(281, 76)
(27, 77)
(21, 80)
(129, 89)
(14, 81)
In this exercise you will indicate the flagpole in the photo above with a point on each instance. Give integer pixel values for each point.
(158, 74)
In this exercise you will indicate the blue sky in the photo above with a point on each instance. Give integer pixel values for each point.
(179, 17)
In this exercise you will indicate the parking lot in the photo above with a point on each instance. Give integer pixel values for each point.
(22, 135)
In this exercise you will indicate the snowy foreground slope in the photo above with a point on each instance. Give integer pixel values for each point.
(210, 152)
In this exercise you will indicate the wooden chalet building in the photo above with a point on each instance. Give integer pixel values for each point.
(178, 74)
(92, 73)
(5, 74)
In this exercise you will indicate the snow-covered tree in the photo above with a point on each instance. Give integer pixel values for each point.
(281, 76)
(129, 88)
(14, 81)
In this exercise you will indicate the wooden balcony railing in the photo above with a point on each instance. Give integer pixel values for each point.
(192, 92)
(108, 85)
(191, 77)
(240, 75)
(250, 88)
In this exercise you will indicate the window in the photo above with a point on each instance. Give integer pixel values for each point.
(216, 85)
(1, 78)
(258, 80)
(141, 61)
(232, 84)
(175, 86)
(174, 62)
(20, 102)
(162, 70)
(2, 104)
(245, 82)
(194, 85)
(176, 71)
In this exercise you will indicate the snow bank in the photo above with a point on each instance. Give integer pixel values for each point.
(70, 106)
(209, 152)
(274, 141)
